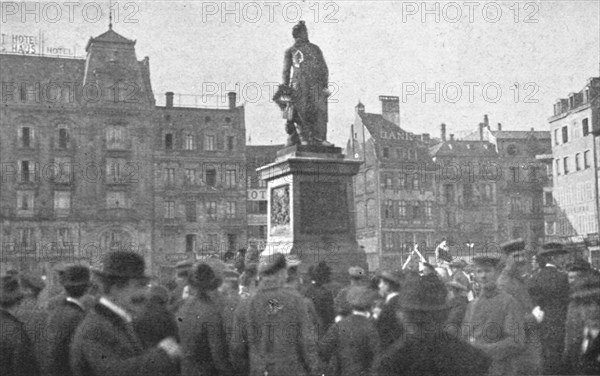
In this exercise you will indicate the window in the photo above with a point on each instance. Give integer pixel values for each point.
(386, 152)
(26, 172)
(230, 179)
(514, 173)
(487, 192)
(230, 143)
(213, 242)
(450, 218)
(211, 177)
(230, 209)
(190, 211)
(468, 194)
(536, 206)
(190, 176)
(416, 210)
(448, 193)
(189, 142)
(231, 242)
(26, 136)
(585, 126)
(62, 201)
(586, 159)
(115, 137)
(428, 209)
(566, 165)
(209, 143)
(387, 181)
(402, 209)
(169, 141)
(388, 208)
(63, 138)
(190, 243)
(26, 238)
(565, 134)
(515, 205)
(61, 170)
(262, 207)
(556, 139)
(63, 238)
(115, 200)
(578, 161)
(113, 170)
(550, 227)
(169, 176)
(211, 209)
(402, 181)
(557, 162)
(416, 185)
(25, 202)
(548, 198)
(169, 209)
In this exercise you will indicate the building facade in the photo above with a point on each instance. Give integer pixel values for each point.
(394, 189)
(575, 127)
(90, 164)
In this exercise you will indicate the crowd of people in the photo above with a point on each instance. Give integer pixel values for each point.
(258, 316)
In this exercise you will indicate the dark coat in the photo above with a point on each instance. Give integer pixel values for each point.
(353, 343)
(549, 289)
(203, 339)
(573, 337)
(155, 324)
(105, 345)
(387, 324)
(274, 333)
(589, 363)
(62, 323)
(16, 350)
(458, 308)
(34, 318)
(430, 357)
(323, 301)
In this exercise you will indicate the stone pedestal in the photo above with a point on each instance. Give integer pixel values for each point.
(311, 208)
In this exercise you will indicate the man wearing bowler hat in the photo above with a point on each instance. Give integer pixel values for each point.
(16, 350)
(105, 342)
(64, 319)
(492, 320)
(549, 290)
(386, 324)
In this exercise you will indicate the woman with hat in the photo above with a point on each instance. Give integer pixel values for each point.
(17, 356)
(203, 339)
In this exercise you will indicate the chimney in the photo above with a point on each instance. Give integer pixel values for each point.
(360, 108)
(481, 126)
(169, 96)
(451, 137)
(390, 108)
(232, 98)
(425, 137)
(443, 132)
(499, 126)
(486, 122)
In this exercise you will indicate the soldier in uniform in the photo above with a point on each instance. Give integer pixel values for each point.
(305, 80)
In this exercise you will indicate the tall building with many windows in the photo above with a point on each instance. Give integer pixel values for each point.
(575, 127)
(394, 189)
(90, 163)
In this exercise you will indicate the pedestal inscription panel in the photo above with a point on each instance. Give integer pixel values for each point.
(280, 211)
(323, 207)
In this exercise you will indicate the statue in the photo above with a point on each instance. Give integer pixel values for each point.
(303, 94)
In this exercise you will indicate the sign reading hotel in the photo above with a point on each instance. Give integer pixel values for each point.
(31, 45)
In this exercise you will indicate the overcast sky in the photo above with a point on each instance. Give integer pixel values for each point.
(372, 48)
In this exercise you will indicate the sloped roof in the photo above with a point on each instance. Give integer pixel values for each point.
(41, 69)
(376, 123)
(110, 36)
(463, 148)
(521, 134)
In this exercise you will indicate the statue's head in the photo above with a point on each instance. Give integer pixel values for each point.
(299, 31)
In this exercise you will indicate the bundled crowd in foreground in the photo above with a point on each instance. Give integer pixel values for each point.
(260, 319)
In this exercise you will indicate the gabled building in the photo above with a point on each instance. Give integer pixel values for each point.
(394, 189)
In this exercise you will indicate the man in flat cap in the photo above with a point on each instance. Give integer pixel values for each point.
(273, 331)
(17, 356)
(64, 319)
(105, 343)
(340, 302)
(423, 349)
(386, 324)
(512, 281)
(492, 320)
(549, 290)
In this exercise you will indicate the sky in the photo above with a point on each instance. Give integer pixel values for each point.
(448, 62)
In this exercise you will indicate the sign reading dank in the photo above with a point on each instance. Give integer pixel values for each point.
(393, 135)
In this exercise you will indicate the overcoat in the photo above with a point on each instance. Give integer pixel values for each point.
(106, 345)
(387, 324)
(16, 350)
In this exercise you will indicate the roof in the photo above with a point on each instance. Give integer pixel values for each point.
(109, 37)
(41, 69)
(521, 134)
(463, 148)
(376, 123)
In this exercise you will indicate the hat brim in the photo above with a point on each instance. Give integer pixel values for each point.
(390, 277)
(553, 252)
(105, 274)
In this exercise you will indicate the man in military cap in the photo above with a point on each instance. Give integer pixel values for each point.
(549, 290)
(386, 324)
(182, 272)
(17, 357)
(342, 307)
(274, 334)
(495, 309)
(303, 93)
(64, 319)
